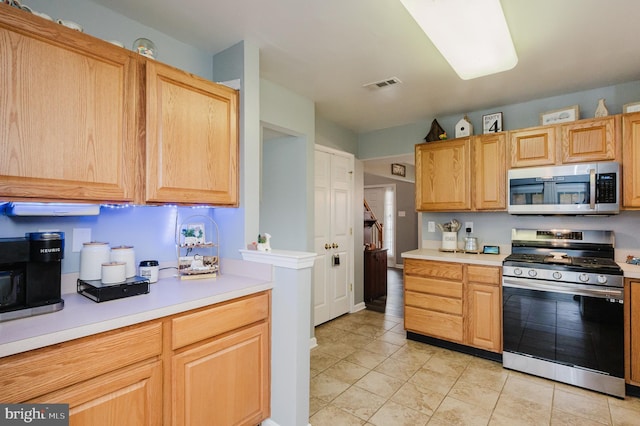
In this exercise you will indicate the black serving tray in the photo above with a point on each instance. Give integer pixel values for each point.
(97, 291)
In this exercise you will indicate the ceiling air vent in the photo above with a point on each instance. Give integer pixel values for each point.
(383, 83)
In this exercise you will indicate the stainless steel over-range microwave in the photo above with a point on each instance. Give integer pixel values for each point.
(576, 189)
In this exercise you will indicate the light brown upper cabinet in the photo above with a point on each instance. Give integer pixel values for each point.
(533, 146)
(490, 167)
(84, 120)
(67, 113)
(447, 172)
(191, 138)
(631, 160)
(596, 139)
(443, 175)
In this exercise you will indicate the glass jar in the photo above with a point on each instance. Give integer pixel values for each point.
(145, 47)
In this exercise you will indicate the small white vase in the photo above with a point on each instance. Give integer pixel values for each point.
(601, 110)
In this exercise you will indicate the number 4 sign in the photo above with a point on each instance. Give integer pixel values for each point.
(492, 123)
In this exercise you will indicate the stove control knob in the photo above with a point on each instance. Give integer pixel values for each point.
(557, 275)
(583, 277)
(517, 271)
(532, 272)
(602, 279)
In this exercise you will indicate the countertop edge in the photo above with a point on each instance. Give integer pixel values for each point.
(459, 257)
(77, 304)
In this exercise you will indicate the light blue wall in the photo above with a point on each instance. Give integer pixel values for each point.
(293, 115)
(495, 228)
(283, 201)
(402, 139)
(240, 226)
(151, 229)
(106, 24)
(334, 136)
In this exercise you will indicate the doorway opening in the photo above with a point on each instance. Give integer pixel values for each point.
(382, 201)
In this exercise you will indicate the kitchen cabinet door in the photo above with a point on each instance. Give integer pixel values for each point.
(67, 113)
(534, 146)
(490, 166)
(632, 331)
(225, 381)
(483, 315)
(191, 139)
(443, 175)
(131, 396)
(631, 160)
(483, 319)
(596, 139)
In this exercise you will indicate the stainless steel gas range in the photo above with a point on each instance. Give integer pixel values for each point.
(563, 315)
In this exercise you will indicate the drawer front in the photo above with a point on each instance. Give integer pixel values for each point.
(434, 286)
(430, 268)
(484, 274)
(435, 324)
(219, 319)
(433, 303)
(34, 373)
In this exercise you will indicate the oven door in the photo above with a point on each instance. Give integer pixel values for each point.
(577, 326)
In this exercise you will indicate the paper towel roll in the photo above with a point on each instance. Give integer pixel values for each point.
(127, 255)
(113, 272)
(92, 256)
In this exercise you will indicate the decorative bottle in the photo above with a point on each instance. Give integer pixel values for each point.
(601, 110)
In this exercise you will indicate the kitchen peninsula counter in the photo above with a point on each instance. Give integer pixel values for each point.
(83, 317)
(458, 257)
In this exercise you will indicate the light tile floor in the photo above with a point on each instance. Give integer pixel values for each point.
(365, 372)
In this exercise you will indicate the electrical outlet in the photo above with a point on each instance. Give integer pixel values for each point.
(468, 227)
(431, 226)
(80, 236)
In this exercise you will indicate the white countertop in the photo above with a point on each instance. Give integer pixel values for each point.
(629, 270)
(460, 257)
(83, 317)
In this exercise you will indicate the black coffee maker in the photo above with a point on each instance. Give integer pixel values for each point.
(30, 273)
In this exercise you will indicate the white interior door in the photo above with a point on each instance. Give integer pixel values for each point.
(333, 242)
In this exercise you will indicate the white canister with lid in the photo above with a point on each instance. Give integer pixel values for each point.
(127, 255)
(92, 256)
(149, 269)
(113, 272)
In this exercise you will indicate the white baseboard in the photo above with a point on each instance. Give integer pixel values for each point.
(359, 307)
(313, 342)
(269, 422)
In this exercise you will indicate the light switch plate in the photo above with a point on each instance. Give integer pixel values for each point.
(80, 236)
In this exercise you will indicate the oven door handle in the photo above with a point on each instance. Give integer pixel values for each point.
(592, 189)
(575, 289)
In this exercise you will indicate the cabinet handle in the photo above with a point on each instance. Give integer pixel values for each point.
(327, 246)
(334, 245)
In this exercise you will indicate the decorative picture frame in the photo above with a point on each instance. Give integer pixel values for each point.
(492, 123)
(562, 115)
(398, 169)
(632, 107)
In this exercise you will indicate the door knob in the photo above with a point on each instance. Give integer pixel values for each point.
(334, 245)
(327, 246)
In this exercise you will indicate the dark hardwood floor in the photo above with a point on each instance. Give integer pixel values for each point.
(395, 293)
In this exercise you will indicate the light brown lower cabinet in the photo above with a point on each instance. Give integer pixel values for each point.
(455, 302)
(632, 331)
(206, 366)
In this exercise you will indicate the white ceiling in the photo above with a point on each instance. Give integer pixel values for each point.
(326, 50)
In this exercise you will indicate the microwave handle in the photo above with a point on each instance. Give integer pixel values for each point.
(592, 189)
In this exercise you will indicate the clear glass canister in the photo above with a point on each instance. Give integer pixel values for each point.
(145, 47)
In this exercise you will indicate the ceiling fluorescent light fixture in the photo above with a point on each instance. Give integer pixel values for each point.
(472, 35)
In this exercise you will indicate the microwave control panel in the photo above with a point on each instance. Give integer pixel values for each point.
(606, 188)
